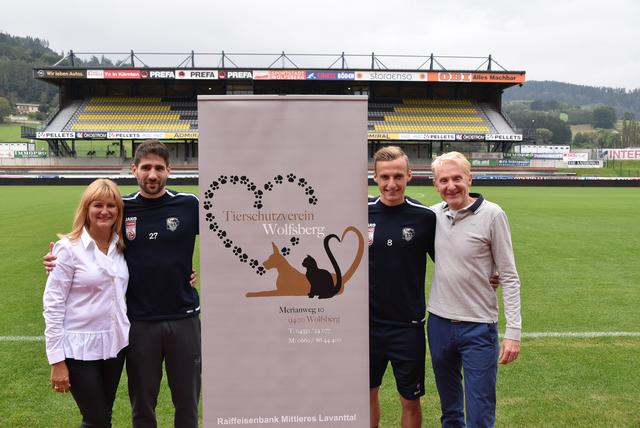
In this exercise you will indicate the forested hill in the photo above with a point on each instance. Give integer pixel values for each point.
(577, 95)
(18, 56)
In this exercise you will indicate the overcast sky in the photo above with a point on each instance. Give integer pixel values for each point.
(590, 42)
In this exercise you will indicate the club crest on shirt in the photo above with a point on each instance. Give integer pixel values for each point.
(172, 223)
(408, 233)
(130, 227)
(372, 229)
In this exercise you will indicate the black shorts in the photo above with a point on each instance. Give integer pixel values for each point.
(405, 347)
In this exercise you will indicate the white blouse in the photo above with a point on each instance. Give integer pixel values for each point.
(84, 301)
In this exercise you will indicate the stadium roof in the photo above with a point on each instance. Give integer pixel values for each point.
(372, 61)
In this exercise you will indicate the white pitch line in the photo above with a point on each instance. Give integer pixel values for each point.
(416, 195)
(585, 334)
(21, 338)
(532, 335)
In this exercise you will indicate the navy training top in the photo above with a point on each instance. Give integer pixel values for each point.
(400, 237)
(160, 236)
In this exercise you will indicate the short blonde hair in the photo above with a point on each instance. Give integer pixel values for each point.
(389, 153)
(452, 157)
(104, 189)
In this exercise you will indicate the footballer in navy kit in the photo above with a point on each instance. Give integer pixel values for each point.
(160, 235)
(160, 229)
(401, 234)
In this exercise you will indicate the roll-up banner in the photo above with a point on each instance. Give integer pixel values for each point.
(284, 269)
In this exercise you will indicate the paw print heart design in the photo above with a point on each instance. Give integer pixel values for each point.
(259, 192)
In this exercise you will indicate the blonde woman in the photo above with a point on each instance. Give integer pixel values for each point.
(84, 305)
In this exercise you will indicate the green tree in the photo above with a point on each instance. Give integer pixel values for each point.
(549, 105)
(5, 108)
(630, 135)
(604, 117)
(585, 140)
(18, 57)
(537, 105)
(580, 116)
(602, 138)
(534, 119)
(609, 138)
(544, 136)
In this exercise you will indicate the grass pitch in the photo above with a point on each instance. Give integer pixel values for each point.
(10, 132)
(577, 255)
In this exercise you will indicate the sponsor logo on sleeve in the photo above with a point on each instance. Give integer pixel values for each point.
(130, 227)
(372, 230)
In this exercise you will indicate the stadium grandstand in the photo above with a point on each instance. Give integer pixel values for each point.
(133, 114)
(417, 102)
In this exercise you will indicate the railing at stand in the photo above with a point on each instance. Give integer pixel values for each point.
(50, 116)
(27, 132)
(508, 119)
